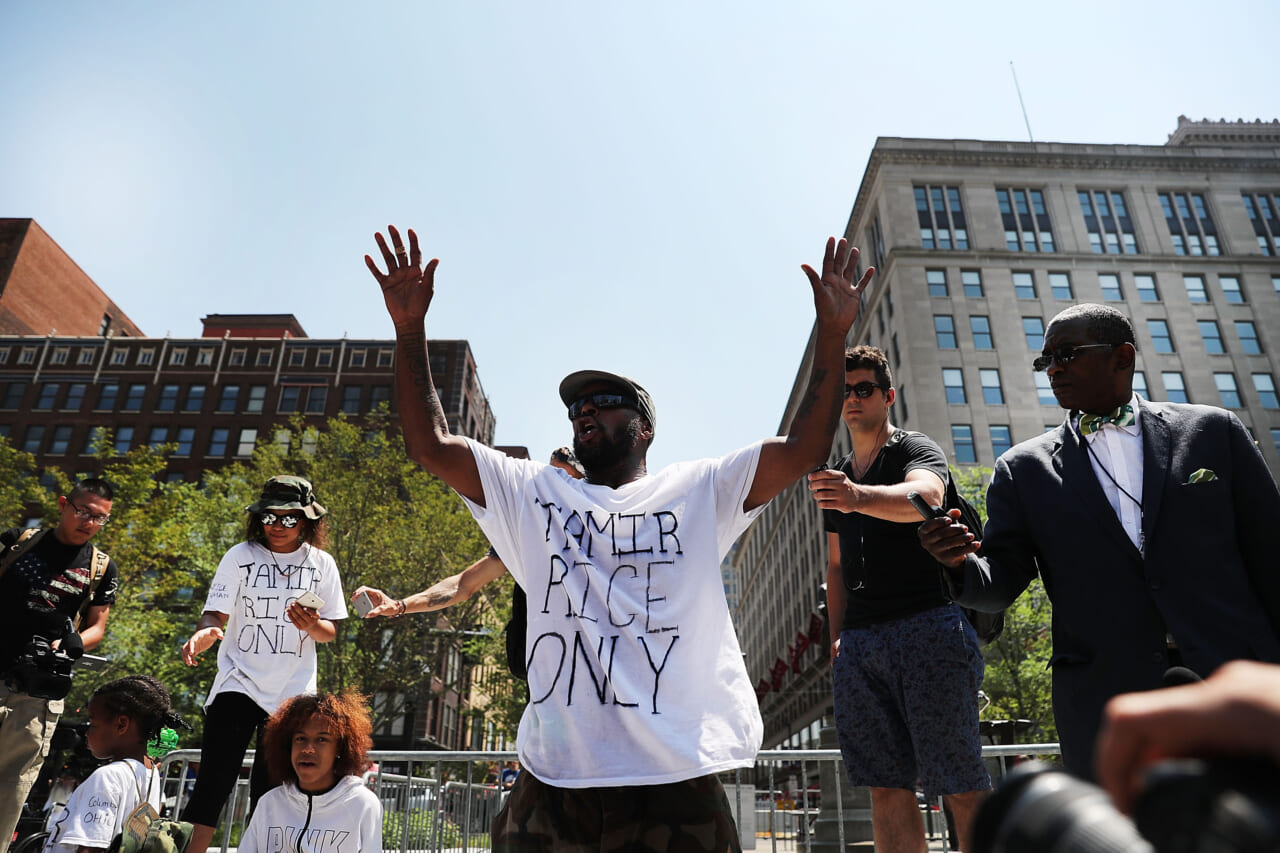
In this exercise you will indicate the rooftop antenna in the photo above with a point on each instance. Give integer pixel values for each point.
(1014, 71)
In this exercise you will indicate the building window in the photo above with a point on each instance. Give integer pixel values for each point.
(980, 326)
(289, 396)
(1140, 384)
(248, 437)
(60, 355)
(1060, 285)
(264, 358)
(1026, 221)
(324, 358)
(1212, 337)
(204, 357)
(972, 283)
(13, 394)
(1110, 284)
(384, 358)
(75, 396)
(178, 356)
(48, 395)
(27, 355)
(107, 396)
(378, 395)
(186, 438)
(85, 357)
(229, 399)
(1275, 439)
(351, 399)
(1108, 223)
(1043, 390)
(34, 439)
(195, 399)
(1190, 225)
(1001, 439)
(1146, 287)
(257, 399)
(92, 439)
(937, 280)
(1248, 334)
(238, 356)
(992, 393)
(4, 355)
(281, 439)
(168, 399)
(1033, 331)
(1275, 284)
(1265, 385)
(146, 356)
(317, 397)
(123, 440)
(104, 326)
(159, 435)
(218, 442)
(119, 357)
(953, 382)
(1024, 285)
(357, 358)
(297, 357)
(1161, 340)
(941, 216)
(60, 443)
(1262, 214)
(1175, 389)
(901, 400)
(962, 443)
(944, 330)
(1227, 390)
(1195, 288)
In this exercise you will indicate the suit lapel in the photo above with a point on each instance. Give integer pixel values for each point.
(1157, 450)
(1077, 473)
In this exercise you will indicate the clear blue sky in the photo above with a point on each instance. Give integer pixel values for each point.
(631, 187)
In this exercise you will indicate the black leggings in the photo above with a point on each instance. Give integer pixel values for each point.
(229, 722)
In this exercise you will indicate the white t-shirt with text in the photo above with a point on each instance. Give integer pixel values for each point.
(635, 673)
(98, 807)
(262, 654)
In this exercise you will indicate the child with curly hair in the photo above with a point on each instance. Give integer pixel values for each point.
(317, 747)
(124, 716)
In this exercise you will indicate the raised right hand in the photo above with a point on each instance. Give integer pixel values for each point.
(407, 287)
(199, 642)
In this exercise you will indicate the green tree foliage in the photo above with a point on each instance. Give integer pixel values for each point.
(1018, 680)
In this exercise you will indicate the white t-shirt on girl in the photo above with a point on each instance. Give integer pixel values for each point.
(98, 807)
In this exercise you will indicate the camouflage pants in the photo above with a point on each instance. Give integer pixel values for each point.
(681, 817)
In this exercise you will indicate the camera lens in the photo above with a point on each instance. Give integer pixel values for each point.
(1040, 809)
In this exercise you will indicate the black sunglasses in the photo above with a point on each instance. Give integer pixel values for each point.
(1064, 355)
(862, 390)
(600, 400)
(288, 522)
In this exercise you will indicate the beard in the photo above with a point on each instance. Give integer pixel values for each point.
(611, 448)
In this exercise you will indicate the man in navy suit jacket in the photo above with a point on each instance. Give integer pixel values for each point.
(1153, 532)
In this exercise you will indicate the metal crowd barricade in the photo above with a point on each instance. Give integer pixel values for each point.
(435, 802)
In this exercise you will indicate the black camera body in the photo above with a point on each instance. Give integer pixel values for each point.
(1229, 805)
(42, 671)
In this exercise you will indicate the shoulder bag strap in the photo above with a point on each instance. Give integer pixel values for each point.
(97, 568)
(26, 541)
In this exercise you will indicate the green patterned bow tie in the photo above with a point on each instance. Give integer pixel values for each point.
(1121, 417)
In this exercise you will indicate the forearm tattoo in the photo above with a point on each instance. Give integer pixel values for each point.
(419, 366)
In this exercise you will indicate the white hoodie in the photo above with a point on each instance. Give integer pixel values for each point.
(347, 819)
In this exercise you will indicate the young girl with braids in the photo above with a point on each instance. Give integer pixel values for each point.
(317, 747)
(124, 715)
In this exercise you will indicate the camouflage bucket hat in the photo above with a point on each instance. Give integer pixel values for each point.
(286, 493)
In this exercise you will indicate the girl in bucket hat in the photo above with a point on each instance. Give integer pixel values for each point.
(273, 598)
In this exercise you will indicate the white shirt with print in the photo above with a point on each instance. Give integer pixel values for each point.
(262, 654)
(97, 809)
(346, 819)
(635, 673)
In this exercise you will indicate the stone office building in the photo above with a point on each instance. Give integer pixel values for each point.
(977, 246)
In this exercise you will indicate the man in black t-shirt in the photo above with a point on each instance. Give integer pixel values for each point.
(47, 585)
(906, 668)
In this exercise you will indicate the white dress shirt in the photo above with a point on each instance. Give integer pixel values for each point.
(1117, 451)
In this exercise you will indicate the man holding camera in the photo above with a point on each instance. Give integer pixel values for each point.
(53, 583)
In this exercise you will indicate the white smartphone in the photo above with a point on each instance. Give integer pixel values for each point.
(363, 604)
(310, 599)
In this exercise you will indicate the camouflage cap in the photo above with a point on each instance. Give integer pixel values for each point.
(286, 492)
(571, 389)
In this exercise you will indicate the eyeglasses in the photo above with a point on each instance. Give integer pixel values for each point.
(85, 515)
(288, 522)
(862, 390)
(600, 400)
(1064, 355)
